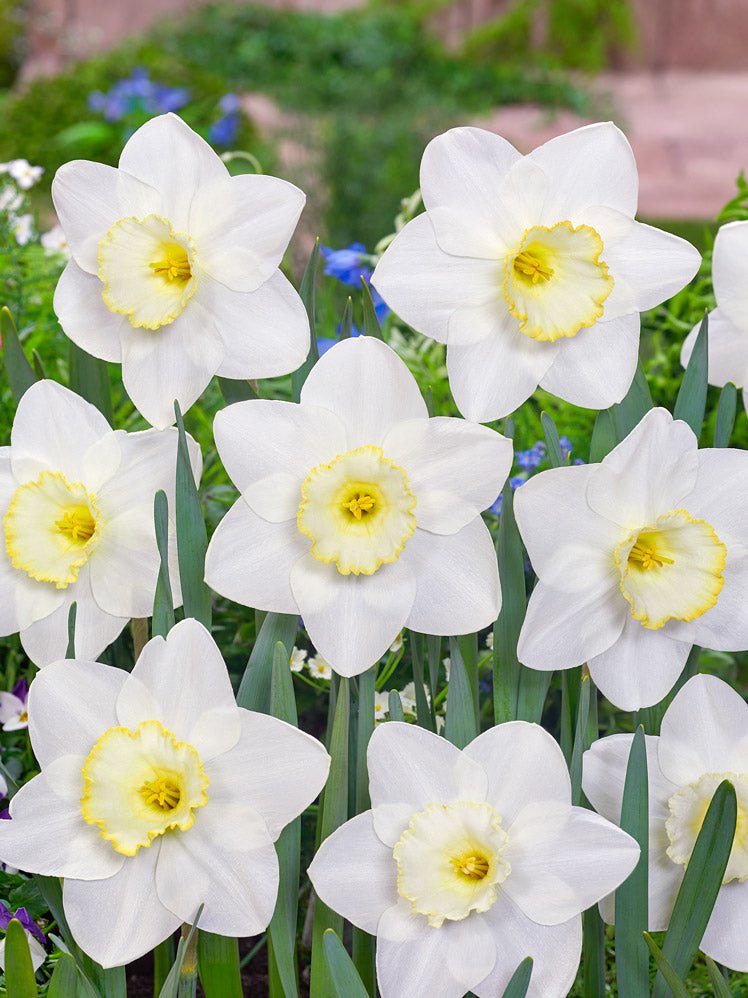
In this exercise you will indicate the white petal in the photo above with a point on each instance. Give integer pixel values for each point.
(647, 474)
(604, 774)
(174, 362)
(265, 333)
(665, 878)
(562, 630)
(555, 952)
(456, 469)
(640, 668)
(89, 198)
(367, 385)
(595, 368)
(23, 600)
(704, 730)
(265, 437)
(727, 349)
(563, 860)
(524, 764)
(354, 873)
(135, 921)
(424, 285)
(71, 703)
(728, 271)
(493, 377)
(243, 228)
(352, 619)
(52, 430)
(152, 153)
(275, 768)
(720, 494)
(457, 580)
(182, 681)
(83, 315)
(125, 564)
(409, 765)
(47, 833)
(652, 263)
(592, 165)
(205, 865)
(148, 463)
(727, 931)
(570, 550)
(725, 626)
(243, 540)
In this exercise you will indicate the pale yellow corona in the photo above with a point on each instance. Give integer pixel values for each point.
(140, 784)
(555, 283)
(688, 807)
(671, 569)
(51, 526)
(357, 510)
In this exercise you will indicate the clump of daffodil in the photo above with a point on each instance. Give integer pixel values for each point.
(532, 269)
(638, 559)
(157, 794)
(469, 861)
(358, 511)
(174, 270)
(76, 507)
(703, 741)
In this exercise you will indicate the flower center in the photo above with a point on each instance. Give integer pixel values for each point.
(450, 860)
(357, 510)
(672, 569)
(140, 784)
(148, 271)
(51, 526)
(555, 282)
(688, 807)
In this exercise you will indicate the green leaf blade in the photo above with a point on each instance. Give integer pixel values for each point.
(690, 405)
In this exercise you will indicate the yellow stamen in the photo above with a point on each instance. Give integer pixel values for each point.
(23, 716)
(472, 867)
(77, 524)
(175, 265)
(647, 556)
(162, 793)
(529, 266)
(359, 505)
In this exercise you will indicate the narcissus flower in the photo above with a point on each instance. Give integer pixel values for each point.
(76, 506)
(470, 861)
(703, 741)
(644, 555)
(358, 511)
(728, 323)
(175, 268)
(157, 794)
(532, 269)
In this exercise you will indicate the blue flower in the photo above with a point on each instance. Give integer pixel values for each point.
(324, 343)
(224, 131)
(566, 447)
(347, 264)
(137, 93)
(528, 460)
(229, 104)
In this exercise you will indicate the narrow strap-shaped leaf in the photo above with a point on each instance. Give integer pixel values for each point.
(462, 723)
(720, 985)
(726, 410)
(371, 322)
(89, 378)
(566, 725)
(344, 977)
(363, 943)
(67, 981)
(171, 984)
(19, 970)
(424, 710)
(603, 436)
(533, 690)
(38, 364)
(519, 982)
(72, 614)
(192, 535)
(631, 905)
(346, 324)
(217, 965)
(583, 708)
(163, 961)
(255, 686)
(20, 373)
(163, 601)
(396, 706)
(674, 986)
(334, 813)
(434, 653)
(282, 929)
(690, 404)
(593, 950)
(237, 391)
(308, 294)
(553, 444)
(506, 667)
(637, 402)
(700, 886)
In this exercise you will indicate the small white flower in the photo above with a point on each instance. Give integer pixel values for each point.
(489, 641)
(397, 643)
(174, 271)
(703, 741)
(76, 511)
(447, 663)
(408, 698)
(23, 229)
(14, 713)
(470, 861)
(10, 200)
(158, 794)
(24, 174)
(298, 659)
(381, 706)
(319, 668)
(359, 512)
(645, 555)
(532, 268)
(54, 241)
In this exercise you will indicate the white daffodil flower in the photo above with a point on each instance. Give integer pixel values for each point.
(532, 268)
(76, 506)
(174, 271)
(358, 511)
(157, 794)
(470, 861)
(642, 557)
(728, 322)
(703, 741)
